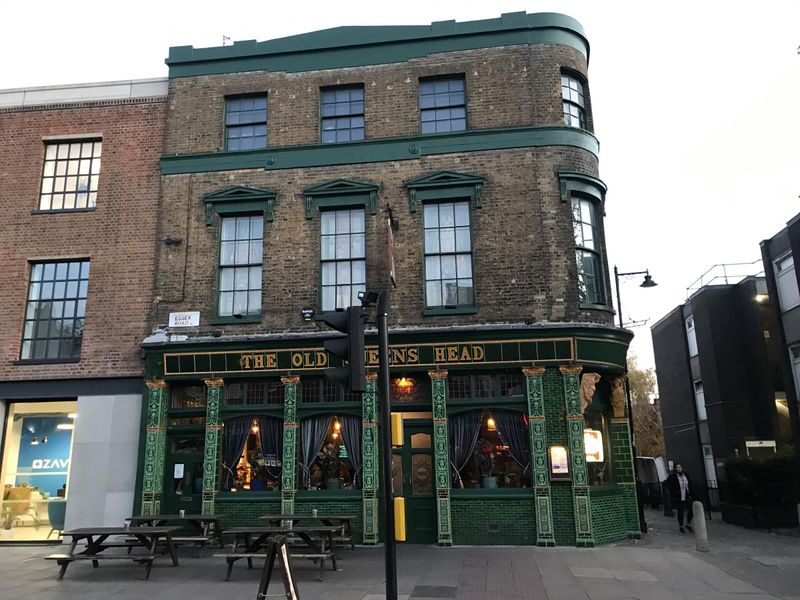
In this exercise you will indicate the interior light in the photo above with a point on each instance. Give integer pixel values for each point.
(65, 426)
(35, 441)
(761, 298)
(72, 415)
(44, 439)
(254, 429)
(593, 445)
(337, 426)
(490, 424)
(335, 435)
(405, 382)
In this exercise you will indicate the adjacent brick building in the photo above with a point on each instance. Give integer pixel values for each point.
(289, 165)
(79, 190)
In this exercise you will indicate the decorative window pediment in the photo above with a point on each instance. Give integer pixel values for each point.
(587, 185)
(443, 185)
(341, 192)
(240, 199)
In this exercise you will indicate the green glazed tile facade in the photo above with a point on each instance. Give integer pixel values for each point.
(289, 469)
(537, 425)
(154, 447)
(369, 442)
(213, 437)
(441, 457)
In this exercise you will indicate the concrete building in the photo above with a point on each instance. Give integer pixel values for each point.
(290, 167)
(719, 379)
(78, 257)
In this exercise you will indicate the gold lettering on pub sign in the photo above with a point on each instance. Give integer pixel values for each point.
(458, 353)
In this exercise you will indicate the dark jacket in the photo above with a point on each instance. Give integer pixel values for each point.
(674, 486)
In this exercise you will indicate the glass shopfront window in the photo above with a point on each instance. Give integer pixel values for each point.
(330, 452)
(595, 441)
(490, 449)
(36, 456)
(252, 454)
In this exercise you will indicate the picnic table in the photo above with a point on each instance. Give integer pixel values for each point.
(252, 542)
(203, 527)
(97, 541)
(341, 520)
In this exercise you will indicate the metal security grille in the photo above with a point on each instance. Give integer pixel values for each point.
(240, 264)
(442, 105)
(342, 113)
(55, 311)
(448, 255)
(70, 176)
(246, 123)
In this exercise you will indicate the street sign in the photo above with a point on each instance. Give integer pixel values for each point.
(184, 319)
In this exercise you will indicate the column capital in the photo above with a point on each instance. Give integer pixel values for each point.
(437, 374)
(290, 380)
(571, 370)
(533, 371)
(371, 376)
(214, 382)
(156, 384)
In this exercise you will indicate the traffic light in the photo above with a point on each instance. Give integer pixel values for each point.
(349, 349)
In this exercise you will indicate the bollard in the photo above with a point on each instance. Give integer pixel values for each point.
(699, 522)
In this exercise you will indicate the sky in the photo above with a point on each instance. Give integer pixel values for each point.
(695, 105)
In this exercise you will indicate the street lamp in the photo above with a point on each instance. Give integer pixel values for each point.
(647, 283)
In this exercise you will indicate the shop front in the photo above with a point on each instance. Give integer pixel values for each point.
(510, 436)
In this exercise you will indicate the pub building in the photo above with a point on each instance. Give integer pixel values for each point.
(456, 160)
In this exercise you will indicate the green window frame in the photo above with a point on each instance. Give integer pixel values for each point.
(342, 256)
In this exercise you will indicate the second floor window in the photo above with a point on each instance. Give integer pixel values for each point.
(241, 254)
(591, 283)
(442, 105)
(786, 282)
(71, 174)
(448, 255)
(246, 123)
(55, 311)
(342, 254)
(342, 114)
(574, 101)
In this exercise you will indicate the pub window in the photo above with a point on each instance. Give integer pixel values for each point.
(448, 255)
(241, 259)
(505, 385)
(71, 175)
(342, 253)
(342, 114)
(246, 122)
(442, 105)
(573, 100)
(489, 449)
(188, 396)
(595, 441)
(314, 391)
(408, 390)
(330, 452)
(252, 451)
(254, 393)
(588, 252)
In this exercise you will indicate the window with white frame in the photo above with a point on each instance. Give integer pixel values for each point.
(700, 401)
(786, 282)
(573, 101)
(70, 176)
(442, 104)
(342, 113)
(691, 338)
(246, 122)
(241, 252)
(342, 253)
(448, 255)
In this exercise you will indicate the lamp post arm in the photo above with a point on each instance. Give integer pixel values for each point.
(619, 304)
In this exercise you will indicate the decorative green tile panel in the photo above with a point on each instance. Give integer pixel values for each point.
(369, 471)
(211, 456)
(441, 456)
(580, 490)
(289, 469)
(155, 443)
(538, 439)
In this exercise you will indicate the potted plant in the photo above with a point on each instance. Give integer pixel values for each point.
(7, 532)
(485, 456)
(329, 462)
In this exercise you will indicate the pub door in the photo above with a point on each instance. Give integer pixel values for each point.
(413, 479)
(183, 473)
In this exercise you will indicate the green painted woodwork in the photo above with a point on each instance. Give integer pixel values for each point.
(290, 427)
(587, 185)
(369, 471)
(342, 47)
(240, 199)
(155, 447)
(445, 185)
(441, 457)
(575, 426)
(341, 193)
(537, 426)
(383, 150)
(213, 443)
(443, 311)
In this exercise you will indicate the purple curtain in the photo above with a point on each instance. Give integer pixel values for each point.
(513, 432)
(351, 436)
(234, 438)
(464, 429)
(313, 431)
(270, 434)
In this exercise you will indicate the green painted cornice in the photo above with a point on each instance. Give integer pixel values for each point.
(342, 47)
(388, 149)
(341, 192)
(445, 184)
(238, 199)
(587, 185)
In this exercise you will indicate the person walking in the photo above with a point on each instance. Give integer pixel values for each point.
(681, 493)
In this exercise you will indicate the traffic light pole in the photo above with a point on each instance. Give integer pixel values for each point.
(386, 445)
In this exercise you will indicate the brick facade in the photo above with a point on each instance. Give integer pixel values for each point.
(118, 237)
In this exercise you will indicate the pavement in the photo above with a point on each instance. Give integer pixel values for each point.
(743, 565)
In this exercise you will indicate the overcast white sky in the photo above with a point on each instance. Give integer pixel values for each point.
(695, 105)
